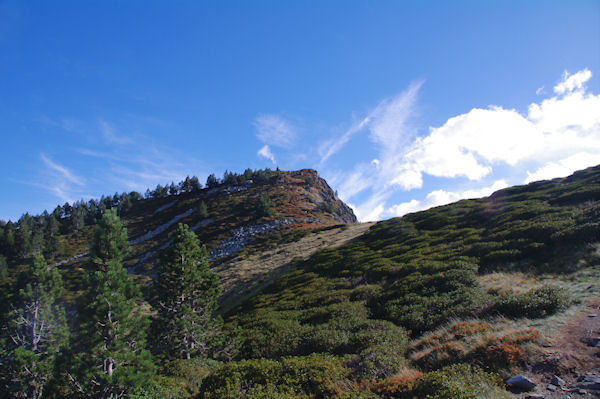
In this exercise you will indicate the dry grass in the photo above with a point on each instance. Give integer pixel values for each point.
(502, 283)
(501, 342)
(581, 286)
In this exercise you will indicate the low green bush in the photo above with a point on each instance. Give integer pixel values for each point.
(537, 303)
(189, 372)
(460, 381)
(314, 376)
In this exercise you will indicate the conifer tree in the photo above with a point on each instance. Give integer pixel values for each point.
(212, 181)
(22, 236)
(112, 359)
(52, 244)
(173, 190)
(195, 184)
(187, 292)
(9, 239)
(3, 268)
(35, 331)
(203, 210)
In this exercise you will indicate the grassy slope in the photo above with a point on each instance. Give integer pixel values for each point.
(429, 270)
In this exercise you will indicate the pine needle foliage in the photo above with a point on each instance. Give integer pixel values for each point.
(187, 292)
(111, 359)
(35, 332)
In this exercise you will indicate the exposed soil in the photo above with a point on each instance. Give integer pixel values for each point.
(570, 356)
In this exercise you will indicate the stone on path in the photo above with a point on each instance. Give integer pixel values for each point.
(521, 382)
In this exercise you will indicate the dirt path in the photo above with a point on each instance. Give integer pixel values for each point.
(570, 356)
(241, 278)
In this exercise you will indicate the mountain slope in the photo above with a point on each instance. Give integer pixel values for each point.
(231, 217)
(472, 274)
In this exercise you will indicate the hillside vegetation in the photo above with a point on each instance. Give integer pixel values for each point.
(443, 303)
(408, 277)
(277, 206)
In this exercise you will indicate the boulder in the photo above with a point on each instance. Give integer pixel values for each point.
(520, 382)
(556, 380)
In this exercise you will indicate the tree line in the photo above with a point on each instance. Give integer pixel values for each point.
(100, 348)
(39, 233)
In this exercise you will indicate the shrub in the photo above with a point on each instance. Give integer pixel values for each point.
(314, 376)
(537, 303)
(378, 361)
(399, 386)
(262, 206)
(460, 381)
(326, 207)
(189, 373)
(504, 355)
(273, 337)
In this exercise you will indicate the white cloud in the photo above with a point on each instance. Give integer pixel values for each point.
(442, 197)
(265, 152)
(572, 82)
(372, 209)
(554, 137)
(564, 167)
(274, 130)
(472, 144)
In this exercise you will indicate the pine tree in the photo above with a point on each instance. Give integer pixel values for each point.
(173, 190)
(77, 218)
(203, 210)
(111, 330)
(52, 244)
(187, 292)
(9, 239)
(212, 181)
(36, 331)
(23, 236)
(186, 185)
(195, 184)
(3, 268)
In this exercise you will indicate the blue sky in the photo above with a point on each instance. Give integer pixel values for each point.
(399, 105)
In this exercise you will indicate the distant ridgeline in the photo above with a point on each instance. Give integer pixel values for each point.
(54, 234)
(40, 233)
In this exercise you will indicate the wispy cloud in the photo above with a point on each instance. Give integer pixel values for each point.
(274, 130)
(265, 152)
(110, 133)
(60, 180)
(61, 171)
(334, 145)
(387, 124)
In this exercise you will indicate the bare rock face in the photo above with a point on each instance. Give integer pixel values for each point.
(242, 235)
(325, 195)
